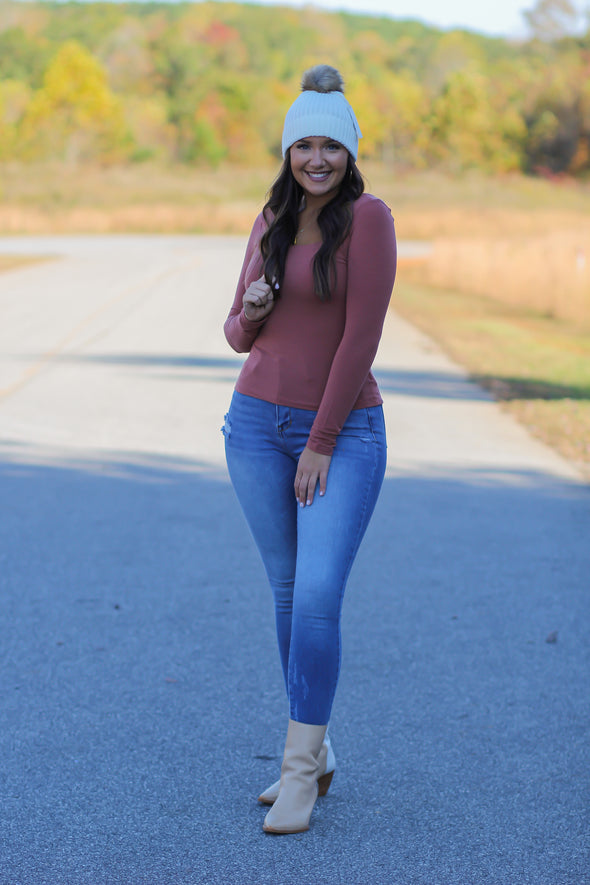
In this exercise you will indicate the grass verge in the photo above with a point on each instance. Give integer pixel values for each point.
(8, 262)
(537, 367)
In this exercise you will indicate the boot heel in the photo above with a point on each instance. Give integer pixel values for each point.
(324, 783)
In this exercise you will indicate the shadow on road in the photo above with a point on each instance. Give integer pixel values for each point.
(439, 385)
(506, 387)
(142, 706)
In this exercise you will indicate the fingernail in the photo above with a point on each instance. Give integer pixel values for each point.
(322, 494)
(308, 502)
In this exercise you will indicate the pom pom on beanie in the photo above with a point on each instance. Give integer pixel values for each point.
(322, 110)
(322, 78)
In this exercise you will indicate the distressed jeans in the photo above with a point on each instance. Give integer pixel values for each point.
(307, 551)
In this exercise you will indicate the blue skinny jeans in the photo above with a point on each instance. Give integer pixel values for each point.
(307, 551)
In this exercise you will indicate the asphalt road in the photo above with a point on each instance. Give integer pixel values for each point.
(141, 704)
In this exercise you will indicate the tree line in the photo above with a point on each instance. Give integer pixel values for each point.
(210, 82)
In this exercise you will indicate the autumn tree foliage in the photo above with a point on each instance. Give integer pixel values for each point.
(210, 82)
(74, 115)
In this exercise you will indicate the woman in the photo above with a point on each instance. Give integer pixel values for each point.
(304, 436)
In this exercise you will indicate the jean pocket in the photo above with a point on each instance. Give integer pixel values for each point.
(359, 426)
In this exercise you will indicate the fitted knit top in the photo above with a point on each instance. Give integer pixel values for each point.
(312, 354)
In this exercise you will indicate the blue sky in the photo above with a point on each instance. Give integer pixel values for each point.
(499, 17)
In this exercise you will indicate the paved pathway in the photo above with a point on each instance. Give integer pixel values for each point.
(141, 706)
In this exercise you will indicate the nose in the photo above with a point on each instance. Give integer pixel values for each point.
(316, 158)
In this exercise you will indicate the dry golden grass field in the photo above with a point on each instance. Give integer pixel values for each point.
(505, 290)
(53, 197)
(548, 272)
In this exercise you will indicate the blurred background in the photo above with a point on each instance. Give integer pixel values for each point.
(167, 117)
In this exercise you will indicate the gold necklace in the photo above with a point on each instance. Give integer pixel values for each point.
(301, 229)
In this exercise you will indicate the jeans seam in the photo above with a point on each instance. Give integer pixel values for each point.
(351, 558)
(371, 427)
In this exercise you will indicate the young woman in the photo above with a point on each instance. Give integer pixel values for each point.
(304, 435)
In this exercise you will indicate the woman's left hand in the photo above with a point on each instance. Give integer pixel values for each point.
(311, 469)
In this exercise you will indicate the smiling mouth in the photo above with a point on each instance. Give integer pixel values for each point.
(319, 176)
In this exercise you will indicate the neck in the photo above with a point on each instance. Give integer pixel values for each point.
(315, 204)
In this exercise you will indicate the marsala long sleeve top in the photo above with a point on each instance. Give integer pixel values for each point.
(312, 354)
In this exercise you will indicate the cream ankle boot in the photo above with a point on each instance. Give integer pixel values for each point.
(299, 780)
(326, 768)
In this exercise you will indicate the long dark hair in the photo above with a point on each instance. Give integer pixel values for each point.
(334, 221)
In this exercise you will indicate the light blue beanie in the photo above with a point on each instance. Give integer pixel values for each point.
(322, 109)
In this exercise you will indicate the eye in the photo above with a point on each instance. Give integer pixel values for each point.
(333, 146)
(302, 146)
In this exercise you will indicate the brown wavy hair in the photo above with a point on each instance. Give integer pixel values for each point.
(334, 220)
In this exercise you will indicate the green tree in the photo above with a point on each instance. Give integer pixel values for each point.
(392, 115)
(153, 135)
(469, 129)
(552, 19)
(21, 57)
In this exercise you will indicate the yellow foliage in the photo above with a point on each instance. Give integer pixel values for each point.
(391, 115)
(470, 130)
(74, 115)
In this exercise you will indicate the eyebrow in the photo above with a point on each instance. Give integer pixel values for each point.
(326, 140)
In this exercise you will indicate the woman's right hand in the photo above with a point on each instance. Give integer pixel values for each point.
(258, 300)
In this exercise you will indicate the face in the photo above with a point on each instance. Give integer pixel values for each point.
(319, 165)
